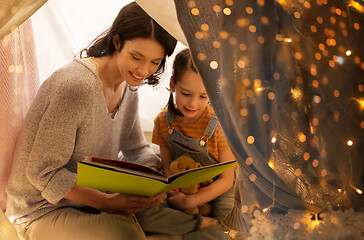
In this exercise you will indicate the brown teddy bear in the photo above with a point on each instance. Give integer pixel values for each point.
(183, 163)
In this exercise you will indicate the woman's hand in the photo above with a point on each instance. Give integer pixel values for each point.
(129, 204)
(114, 202)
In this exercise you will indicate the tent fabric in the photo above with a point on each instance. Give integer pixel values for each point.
(288, 95)
(19, 84)
(14, 12)
(164, 13)
(286, 80)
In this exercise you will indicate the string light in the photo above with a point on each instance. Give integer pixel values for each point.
(314, 221)
(259, 89)
(359, 191)
(356, 5)
(360, 101)
(271, 164)
(323, 54)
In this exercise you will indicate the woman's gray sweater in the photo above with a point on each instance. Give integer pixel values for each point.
(67, 121)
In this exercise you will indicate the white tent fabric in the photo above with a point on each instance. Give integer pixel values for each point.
(13, 13)
(164, 13)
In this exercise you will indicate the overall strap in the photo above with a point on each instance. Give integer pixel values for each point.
(211, 126)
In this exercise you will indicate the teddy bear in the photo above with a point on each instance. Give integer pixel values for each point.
(183, 163)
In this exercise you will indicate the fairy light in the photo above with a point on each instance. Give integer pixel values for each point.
(350, 143)
(195, 11)
(227, 11)
(274, 139)
(271, 164)
(340, 60)
(360, 101)
(359, 191)
(356, 5)
(348, 53)
(214, 64)
(314, 222)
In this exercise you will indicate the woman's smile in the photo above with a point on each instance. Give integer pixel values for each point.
(136, 77)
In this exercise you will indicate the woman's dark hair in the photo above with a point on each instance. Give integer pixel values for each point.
(132, 22)
(182, 63)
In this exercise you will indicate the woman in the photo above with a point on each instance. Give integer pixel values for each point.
(88, 108)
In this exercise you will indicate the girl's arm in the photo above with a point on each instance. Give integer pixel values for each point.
(166, 158)
(210, 192)
(114, 202)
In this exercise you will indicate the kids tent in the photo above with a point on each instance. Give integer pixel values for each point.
(286, 80)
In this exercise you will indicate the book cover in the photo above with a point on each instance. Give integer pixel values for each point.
(132, 178)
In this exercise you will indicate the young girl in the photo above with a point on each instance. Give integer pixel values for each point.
(88, 108)
(189, 125)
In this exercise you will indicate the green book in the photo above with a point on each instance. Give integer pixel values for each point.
(131, 178)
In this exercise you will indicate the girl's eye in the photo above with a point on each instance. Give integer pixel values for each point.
(203, 97)
(185, 94)
(135, 57)
(156, 63)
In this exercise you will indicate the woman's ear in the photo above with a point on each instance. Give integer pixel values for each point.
(116, 42)
(171, 85)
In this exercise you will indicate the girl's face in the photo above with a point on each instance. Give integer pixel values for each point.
(138, 59)
(191, 97)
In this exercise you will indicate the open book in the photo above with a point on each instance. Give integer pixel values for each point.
(131, 178)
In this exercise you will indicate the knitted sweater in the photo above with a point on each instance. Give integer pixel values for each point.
(67, 121)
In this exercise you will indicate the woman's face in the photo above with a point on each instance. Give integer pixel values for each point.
(138, 59)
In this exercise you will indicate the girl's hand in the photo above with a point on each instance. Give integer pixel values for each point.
(180, 200)
(129, 204)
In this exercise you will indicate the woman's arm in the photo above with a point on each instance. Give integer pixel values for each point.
(166, 158)
(133, 144)
(113, 202)
(210, 192)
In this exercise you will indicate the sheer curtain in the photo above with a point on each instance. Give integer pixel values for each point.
(286, 80)
(19, 84)
(31, 52)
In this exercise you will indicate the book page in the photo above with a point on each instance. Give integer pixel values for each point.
(200, 170)
(123, 165)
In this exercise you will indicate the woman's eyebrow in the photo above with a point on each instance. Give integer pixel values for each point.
(140, 54)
